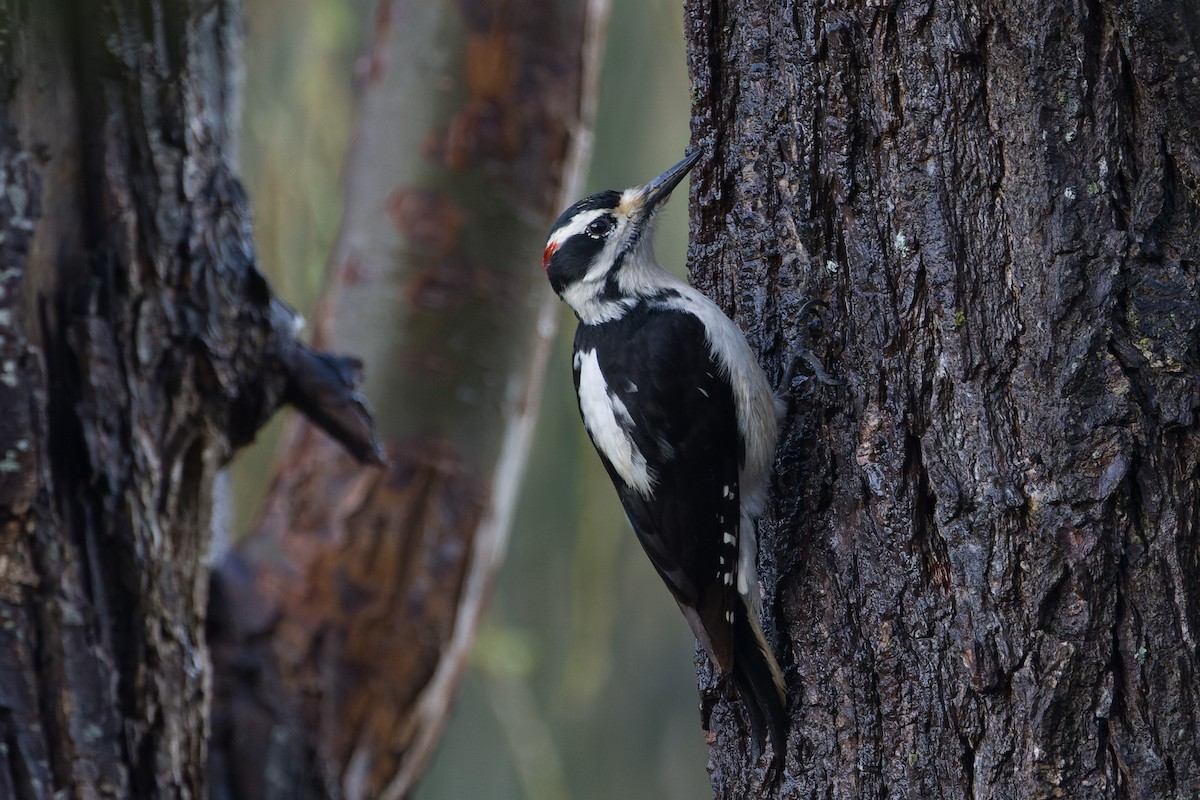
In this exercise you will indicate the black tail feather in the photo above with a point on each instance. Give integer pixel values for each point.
(758, 681)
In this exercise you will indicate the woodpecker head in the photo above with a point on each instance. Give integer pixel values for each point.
(599, 254)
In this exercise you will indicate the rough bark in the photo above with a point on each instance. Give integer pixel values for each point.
(341, 626)
(982, 558)
(140, 347)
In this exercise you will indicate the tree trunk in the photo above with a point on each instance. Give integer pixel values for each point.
(342, 624)
(982, 562)
(140, 348)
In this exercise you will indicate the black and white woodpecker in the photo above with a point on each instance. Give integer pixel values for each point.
(685, 423)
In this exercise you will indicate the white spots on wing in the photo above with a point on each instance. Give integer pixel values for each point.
(730, 539)
(608, 421)
(630, 387)
(728, 495)
(729, 617)
(729, 579)
(702, 391)
(748, 564)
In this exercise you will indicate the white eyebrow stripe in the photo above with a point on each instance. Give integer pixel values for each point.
(577, 224)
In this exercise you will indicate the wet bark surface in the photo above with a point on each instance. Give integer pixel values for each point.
(981, 557)
(141, 347)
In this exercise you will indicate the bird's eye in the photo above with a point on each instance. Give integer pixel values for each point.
(599, 227)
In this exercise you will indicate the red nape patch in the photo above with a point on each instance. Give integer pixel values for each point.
(548, 254)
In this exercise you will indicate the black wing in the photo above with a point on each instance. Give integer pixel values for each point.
(682, 420)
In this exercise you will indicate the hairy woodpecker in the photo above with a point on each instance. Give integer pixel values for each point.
(685, 423)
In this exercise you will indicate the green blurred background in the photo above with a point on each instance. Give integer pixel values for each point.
(582, 683)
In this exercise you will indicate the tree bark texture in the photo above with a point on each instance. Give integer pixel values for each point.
(140, 347)
(342, 624)
(982, 560)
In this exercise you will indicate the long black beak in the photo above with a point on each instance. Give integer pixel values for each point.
(659, 189)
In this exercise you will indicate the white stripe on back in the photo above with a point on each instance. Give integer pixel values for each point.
(603, 415)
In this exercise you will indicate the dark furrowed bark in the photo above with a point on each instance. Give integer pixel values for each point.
(981, 561)
(141, 347)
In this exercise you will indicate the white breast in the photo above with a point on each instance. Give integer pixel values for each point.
(607, 421)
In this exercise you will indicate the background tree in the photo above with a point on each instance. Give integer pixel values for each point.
(982, 561)
(342, 624)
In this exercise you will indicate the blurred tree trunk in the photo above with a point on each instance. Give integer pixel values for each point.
(340, 627)
(983, 558)
(139, 347)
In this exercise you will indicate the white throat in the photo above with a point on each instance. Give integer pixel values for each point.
(638, 276)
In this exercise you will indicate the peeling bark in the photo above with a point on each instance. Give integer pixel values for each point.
(341, 626)
(981, 560)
